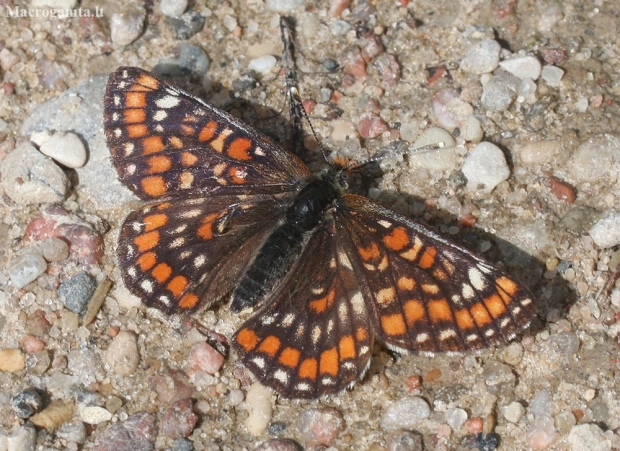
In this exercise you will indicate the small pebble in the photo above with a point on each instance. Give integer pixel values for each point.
(404, 441)
(567, 343)
(498, 377)
(482, 57)
(26, 267)
(499, 92)
(283, 6)
(542, 404)
(186, 59)
(276, 428)
(39, 363)
(74, 432)
(485, 167)
(8, 59)
(263, 65)
(342, 130)
(65, 148)
(526, 66)
(352, 62)
(606, 232)
(259, 406)
(339, 27)
(514, 411)
(541, 434)
(186, 25)
(471, 130)
(127, 25)
(389, 69)
(12, 360)
(513, 353)
(236, 396)
(406, 413)
(371, 126)
(564, 421)
(560, 189)
(55, 414)
(320, 426)
(179, 420)
(31, 344)
(539, 152)
(138, 432)
(279, 445)
(29, 177)
(204, 357)
(173, 8)
(24, 439)
(95, 415)
(123, 354)
(595, 159)
(441, 159)
(26, 403)
(552, 75)
(588, 437)
(474, 425)
(182, 444)
(455, 418)
(54, 249)
(450, 111)
(76, 291)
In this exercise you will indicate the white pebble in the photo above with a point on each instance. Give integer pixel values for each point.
(455, 418)
(343, 130)
(441, 159)
(283, 6)
(523, 67)
(541, 434)
(514, 411)
(26, 267)
(596, 159)
(500, 91)
(606, 232)
(485, 167)
(65, 148)
(24, 439)
(588, 437)
(552, 75)
(259, 405)
(539, 152)
(406, 413)
(95, 415)
(471, 131)
(126, 26)
(173, 8)
(263, 64)
(123, 355)
(482, 57)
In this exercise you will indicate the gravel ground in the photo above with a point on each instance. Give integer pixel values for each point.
(524, 94)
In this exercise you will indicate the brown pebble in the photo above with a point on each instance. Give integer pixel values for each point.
(57, 413)
(12, 360)
(560, 189)
(474, 425)
(578, 414)
(321, 426)
(336, 7)
(179, 420)
(353, 63)
(413, 382)
(31, 344)
(203, 357)
(433, 375)
(468, 221)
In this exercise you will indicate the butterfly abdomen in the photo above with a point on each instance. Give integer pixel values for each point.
(285, 243)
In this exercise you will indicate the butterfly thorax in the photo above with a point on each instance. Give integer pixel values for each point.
(283, 246)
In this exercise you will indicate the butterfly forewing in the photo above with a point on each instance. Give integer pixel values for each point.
(425, 293)
(167, 143)
(313, 338)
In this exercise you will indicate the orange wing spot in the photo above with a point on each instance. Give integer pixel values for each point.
(495, 305)
(188, 301)
(218, 143)
(146, 241)
(393, 324)
(320, 305)
(307, 369)
(137, 130)
(509, 286)
(134, 115)
(147, 261)
(159, 164)
(238, 149)
(188, 159)
(234, 174)
(406, 284)
(163, 206)
(464, 319)
(397, 240)
(206, 229)
(329, 362)
(208, 131)
(148, 81)
(177, 285)
(428, 258)
(135, 100)
(361, 334)
(290, 357)
(346, 348)
(480, 314)
(370, 253)
(161, 272)
(154, 186)
(152, 144)
(439, 274)
(270, 345)
(175, 142)
(247, 339)
(439, 310)
(188, 130)
(414, 311)
(152, 222)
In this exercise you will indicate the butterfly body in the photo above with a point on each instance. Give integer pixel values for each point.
(232, 214)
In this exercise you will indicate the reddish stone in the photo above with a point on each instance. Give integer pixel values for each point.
(321, 426)
(136, 433)
(553, 56)
(179, 420)
(336, 7)
(474, 425)
(468, 220)
(353, 63)
(31, 344)
(433, 375)
(371, 126)
(372, 47)
(309, 105)
(413, 382)
(203, 357)
(560, 189)
(389, 68)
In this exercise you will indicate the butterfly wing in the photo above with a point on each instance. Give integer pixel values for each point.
(167, 143)
(313, 337)
(425, 293)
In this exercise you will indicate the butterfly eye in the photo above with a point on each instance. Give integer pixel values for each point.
(344, 180)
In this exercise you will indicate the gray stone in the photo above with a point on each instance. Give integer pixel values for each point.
(406, 413)
(500, 91)
(482, 57)
(76, 291)
(26, 267)
(127, 25)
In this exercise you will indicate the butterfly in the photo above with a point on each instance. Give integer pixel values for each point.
(231, 214)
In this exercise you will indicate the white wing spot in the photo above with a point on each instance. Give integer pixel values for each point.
(476, 278)
(472, 337)
(199, 261)
(268, 319)
(288, 319)
(318, 290)
(160, 115)
(178, 242)
(147, 286)
(117, 132)
(327, 381)
(180, 229)
(468, 292)
(364, 350)
(516, 310)
(260, 152)
(446, 334)
(130, 169)
(357, 301)
(167, 102)
(504, 322)
(132, 272)
(316, 334)
(330, 326)
(191, 214)
(421, 338)
(344, 260)
(302, 386)
(259, 362)
(129, 148)
(385, 296)
(165, 300)
(526, 301)
(281, 376)
(489, 333)
(343, 312)
(384, 223)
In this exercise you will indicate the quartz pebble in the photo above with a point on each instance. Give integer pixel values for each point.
(186, 25)
(55, 414)
(26, 403)
(76, 291)
(12, 360)
(406, 413)
(173, 8)
(182, 444)
(441, 159)
(283, 6)
(606, 232)
(552, 75)
(24, 439)
(455, 418)
(259, 406)
(526, 66)
(127, 25)
(539, 152)
(137, 433)
(263, 64)
(588, 437)
(95, 415)
(54, 249)
(371, 125)
(320, 426)
(204, 357)
(123, 354)
(541, 434)
(185, 59)
(595, 159)
(471, 130)
(404, 441)
(542, 404)
(74, 432)
(513, 353)
(26, 267)
(499, 92)
(482, 57)
(514, 411)
(179, 420)
(29, 177)
(485, 167)
(450, 111)
(65, 148)
(278, 445)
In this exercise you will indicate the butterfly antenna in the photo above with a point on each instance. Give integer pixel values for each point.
(402, 149)
(297, 111)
